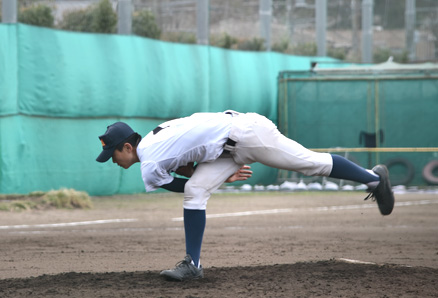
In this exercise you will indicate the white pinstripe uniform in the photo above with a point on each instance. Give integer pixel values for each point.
(202, 138)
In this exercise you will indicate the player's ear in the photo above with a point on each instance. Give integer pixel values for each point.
(128, 147)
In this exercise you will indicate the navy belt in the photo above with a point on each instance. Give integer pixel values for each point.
(231, 143)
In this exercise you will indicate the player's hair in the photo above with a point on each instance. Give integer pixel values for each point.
(133, 139)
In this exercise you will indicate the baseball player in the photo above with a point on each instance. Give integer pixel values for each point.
(221, 144)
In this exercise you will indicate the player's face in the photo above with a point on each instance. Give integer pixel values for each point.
(123, 158)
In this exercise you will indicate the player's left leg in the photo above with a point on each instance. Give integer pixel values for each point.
(262, 142)
(345, 169)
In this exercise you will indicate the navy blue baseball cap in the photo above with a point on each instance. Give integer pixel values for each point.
(114, 135)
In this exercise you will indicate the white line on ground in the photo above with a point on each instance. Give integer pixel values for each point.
(366, 263)
(222, 215)
(356, 261)
(325, 208)
(68, 224)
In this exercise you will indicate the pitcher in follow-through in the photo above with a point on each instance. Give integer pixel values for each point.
(213, 148)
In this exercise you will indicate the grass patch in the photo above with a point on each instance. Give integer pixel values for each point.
(54, 199)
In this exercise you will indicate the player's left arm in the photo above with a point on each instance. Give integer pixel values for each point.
(177, 185)
(241, 174)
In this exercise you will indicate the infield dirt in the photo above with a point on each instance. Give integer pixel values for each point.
(326, 244)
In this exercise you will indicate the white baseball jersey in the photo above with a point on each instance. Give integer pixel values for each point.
(199, 138)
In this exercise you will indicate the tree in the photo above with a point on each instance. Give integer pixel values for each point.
(104, 18)
(223, 41)
(281, 46)
(39, 15)
(255, 44)
(180, 37)
(98, 18)
(381, 55)
(305, 49)
(143, 24)
(77, 20)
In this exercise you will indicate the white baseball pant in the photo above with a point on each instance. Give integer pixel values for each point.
(257, 140)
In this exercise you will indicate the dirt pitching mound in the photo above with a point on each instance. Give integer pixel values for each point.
(307, 279)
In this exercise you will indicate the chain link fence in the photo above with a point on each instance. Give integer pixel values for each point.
(236, 24)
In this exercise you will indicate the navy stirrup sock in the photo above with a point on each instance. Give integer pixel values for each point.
(194, 226)
(348, 170)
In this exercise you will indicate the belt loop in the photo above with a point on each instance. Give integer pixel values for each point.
(157, 130)
(232, 113)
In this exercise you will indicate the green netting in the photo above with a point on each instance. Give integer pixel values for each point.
(59, 90)
(330, 108)
(39, 153)
(88, 75)
(8, 70)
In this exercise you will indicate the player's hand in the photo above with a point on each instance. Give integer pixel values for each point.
(186, 171)
(241, 174)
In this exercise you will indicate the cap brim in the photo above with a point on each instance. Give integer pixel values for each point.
(105, 155)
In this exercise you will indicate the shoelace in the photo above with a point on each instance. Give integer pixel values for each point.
(370, 196)
(181, 264)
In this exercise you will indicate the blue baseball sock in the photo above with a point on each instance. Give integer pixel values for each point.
(194, 226)
(348, 170)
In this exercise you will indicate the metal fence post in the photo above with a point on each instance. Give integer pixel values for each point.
(124, 16)
(321, 24)
(265, 13)
(367, 31)
(410, 28)
(9, 11)
(202, 22)
(355, 40)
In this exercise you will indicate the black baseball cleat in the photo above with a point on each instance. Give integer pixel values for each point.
(383, 193)
(184, 270)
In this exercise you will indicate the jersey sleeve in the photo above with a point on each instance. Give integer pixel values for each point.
(154, 176)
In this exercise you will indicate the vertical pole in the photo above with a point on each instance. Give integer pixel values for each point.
(202, 22)
(367, 31)
(265, 13)
(355, 41)
(290, 20)
(370, 113)
(155, 11)
(321, 26)
(9, 11)
(377, 118)
(410, 28)
(124, 17)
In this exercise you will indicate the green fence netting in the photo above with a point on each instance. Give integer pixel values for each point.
(8, 70)
(59, 90)
(337, 107)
